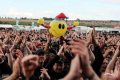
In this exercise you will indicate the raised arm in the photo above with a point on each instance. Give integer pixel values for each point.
(14, 43)
(16, 71)
(89, 41)
(81, 61)
(48, 44)
(56, 58)
(6, 39)
(112, 62)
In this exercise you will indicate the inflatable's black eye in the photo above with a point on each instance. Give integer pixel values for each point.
(59, 26)
(63, 26)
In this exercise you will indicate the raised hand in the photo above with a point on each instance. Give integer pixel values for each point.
(16, 67)
(89, 37)
(29, 64)
(74, 71)
(16, 71)
(20, 54)
(44, 74)
(60, 52)
(93, 30)
(78, 47)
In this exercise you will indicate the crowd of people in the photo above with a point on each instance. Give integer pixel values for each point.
(37, 55)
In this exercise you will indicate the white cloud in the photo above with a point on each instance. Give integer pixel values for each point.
(16, 13)
(13, 12)
(111, 1)
(46, 14)
(101, 14)
(83, 16)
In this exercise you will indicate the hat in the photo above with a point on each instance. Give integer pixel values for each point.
(39, 44)
(61, 60)
(40, 51)
(44, 39)
(61, 16)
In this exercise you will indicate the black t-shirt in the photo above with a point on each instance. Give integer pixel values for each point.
(5, 69)
(55, 76)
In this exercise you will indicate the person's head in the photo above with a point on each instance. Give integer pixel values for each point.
(59, 66)
(104, 65)
(44, 41)
(50, 57)
(30, 45)
(92, 47)
(12, 38)
(5, 48)
(38, 46)
(42, 56)
(14, 51)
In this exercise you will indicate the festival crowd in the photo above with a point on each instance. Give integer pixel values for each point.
(37, 55)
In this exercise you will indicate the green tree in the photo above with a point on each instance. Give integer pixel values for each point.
(1, 22)
(6, 22)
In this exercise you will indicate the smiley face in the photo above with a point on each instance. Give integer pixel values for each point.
(58, 28)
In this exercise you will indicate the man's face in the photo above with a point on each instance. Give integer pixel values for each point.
(14, 53)
(39, 47)
(42, 58)
(44, 44)
(30, 45)
(58, 67)
(5, 48)
(104, 65)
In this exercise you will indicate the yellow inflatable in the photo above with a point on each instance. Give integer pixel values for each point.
(41, 21)
(57, 27)
(76, 23)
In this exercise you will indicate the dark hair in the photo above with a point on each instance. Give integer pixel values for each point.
(52, 51)
(44, 39)
(28, 39)
(48, 57)
(40, 51)
(16, 47)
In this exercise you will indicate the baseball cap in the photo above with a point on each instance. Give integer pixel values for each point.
(39, 44)
(61, 60)
(40, 51)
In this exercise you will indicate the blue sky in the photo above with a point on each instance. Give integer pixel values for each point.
(82, 9)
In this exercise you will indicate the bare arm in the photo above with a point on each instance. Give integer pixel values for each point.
(16, 71)
(47, 46)
(112, 62)
(91, 56)
(6, 39)
(28, 50)
(10, 63)
(13, 44)
(106, 53)
(11, 77)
